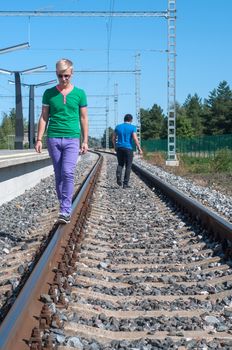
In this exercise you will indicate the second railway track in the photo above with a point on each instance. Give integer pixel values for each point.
(141, 276)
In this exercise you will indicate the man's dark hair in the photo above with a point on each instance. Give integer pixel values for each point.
(128, 118)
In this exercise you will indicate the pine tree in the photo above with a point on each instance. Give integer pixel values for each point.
(152, 122)
(218, 116)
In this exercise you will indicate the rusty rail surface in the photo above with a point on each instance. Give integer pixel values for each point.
(24, 315)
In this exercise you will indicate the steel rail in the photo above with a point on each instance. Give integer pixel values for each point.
(212, 222)
(15, 329)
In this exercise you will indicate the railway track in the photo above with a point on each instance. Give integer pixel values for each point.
(137, 273)
(19, 252)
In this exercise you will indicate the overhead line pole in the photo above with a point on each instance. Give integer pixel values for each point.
(172, 159)
(115, 104)
(137, 95)
(107, 122)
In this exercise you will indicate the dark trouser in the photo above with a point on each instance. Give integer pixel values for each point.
(125, 157)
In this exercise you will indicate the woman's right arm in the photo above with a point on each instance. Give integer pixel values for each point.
(41, 128)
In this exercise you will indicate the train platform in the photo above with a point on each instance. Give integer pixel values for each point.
(13, 157)
(21, 170)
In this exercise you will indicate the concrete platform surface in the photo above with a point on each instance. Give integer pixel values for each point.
(14, 157)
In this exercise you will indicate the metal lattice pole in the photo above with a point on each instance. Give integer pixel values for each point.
(171, 159)
(107, 122)
(137, 95)
(115, 104)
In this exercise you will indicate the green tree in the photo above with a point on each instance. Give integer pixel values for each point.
(7, 128)
(164, 129)
(184, 128)
(218, 110)
(103, 140)
(8, 122)
(194, 111)
(152, 122)
(94, 142)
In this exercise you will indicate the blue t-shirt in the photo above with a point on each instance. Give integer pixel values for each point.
(124, 135)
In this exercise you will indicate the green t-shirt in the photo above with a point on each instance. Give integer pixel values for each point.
(64, 111)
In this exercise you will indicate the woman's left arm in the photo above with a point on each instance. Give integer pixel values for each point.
(84, 127)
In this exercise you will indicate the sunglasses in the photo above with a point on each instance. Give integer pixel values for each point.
(66, 76)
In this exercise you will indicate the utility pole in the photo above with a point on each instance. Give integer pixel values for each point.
(115, 104)
(137, 95)
(107, 122)
(172, 159)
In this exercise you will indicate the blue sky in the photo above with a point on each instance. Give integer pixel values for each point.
(204, 55)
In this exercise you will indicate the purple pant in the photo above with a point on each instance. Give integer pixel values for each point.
(64, 154)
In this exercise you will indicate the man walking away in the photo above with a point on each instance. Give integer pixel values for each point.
(122, 140)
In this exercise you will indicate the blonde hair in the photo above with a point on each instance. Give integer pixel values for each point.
(63, 64)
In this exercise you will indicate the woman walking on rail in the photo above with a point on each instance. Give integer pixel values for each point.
(64, 108)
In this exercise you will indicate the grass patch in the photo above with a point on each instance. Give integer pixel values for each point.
(195, 165)
(220, 163)
(156, 158)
